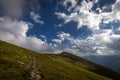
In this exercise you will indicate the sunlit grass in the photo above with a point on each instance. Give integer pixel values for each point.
(14, 60)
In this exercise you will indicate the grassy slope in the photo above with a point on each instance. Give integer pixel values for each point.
(75, 60)
(14, 60)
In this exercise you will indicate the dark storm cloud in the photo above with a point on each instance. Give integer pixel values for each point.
(18, 8)
(12, 8)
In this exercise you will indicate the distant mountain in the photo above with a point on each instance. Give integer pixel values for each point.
(17, 63)
(111, 61)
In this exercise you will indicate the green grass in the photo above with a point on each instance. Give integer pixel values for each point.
(14, 60)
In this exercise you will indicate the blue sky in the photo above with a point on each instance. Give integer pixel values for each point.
(82, 27)
(87, 28)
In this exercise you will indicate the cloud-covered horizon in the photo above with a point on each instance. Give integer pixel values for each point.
(18, 18)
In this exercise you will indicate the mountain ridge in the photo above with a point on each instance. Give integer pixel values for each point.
(29, 65)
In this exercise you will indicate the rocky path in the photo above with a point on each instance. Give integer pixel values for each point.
(30, 70)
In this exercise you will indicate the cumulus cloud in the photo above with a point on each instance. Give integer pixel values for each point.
(81, 14)
(66, 42)
(36, 18)
(13, 27)
(57, 41)
(84, 15)
(14, 31)
(62, 36)
(101, 42)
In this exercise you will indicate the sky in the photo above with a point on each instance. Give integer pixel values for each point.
(81, 27)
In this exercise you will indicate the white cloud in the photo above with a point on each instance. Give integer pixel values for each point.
(73, 4)
(73, 45)
(83, 15)
(102, 40)
(99, 43)
(43, 36)
(14, 31)
(116, 5)
(57, 41)
(14, 27)
(36, 18)
(63, 35)
(103, 36)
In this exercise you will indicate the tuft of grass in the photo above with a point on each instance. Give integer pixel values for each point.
(17, 63)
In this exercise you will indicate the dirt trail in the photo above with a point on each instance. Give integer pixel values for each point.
(30, 71)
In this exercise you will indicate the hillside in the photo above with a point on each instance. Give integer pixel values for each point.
(17, 63)
(106, 60)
